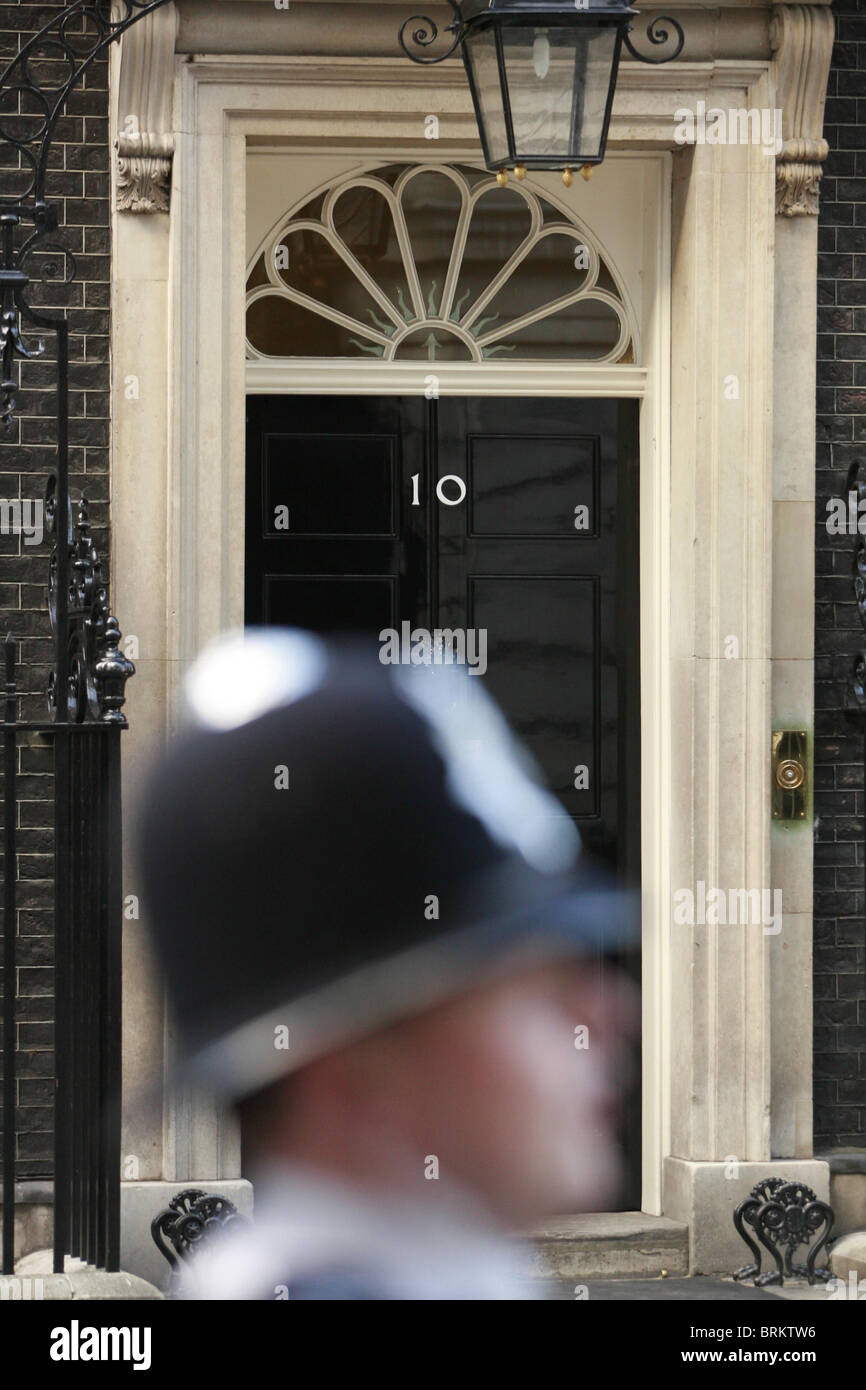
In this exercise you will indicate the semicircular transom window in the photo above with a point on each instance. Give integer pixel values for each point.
(434, 264)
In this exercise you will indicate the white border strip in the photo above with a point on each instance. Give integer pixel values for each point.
(329, 376)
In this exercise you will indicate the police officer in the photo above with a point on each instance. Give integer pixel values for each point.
(385, 948)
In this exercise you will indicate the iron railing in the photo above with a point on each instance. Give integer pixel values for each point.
(85, 733)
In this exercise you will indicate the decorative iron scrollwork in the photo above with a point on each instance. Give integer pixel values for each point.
(428, 33)
(34, 87)
(97, 669)
(191, 1218)
(31, 102)
(13, 283)
(658, 35)
(783, 1215)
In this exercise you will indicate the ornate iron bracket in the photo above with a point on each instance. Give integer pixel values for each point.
(191, 1218)
(428, 33)
(657, 35)
(31, 104)
(783, 1215)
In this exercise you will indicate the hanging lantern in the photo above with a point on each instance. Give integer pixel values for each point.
(542, 75)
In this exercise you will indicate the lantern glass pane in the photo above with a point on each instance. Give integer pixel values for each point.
(558, 84)
(485, 77)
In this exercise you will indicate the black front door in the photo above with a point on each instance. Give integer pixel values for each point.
(515, 519)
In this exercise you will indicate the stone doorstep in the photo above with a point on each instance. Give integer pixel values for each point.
(846, 1161)
(848, 1256)
(610, 1245)
(847, 1189)
(78, 1283)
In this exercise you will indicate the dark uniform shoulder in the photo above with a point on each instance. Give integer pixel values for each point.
(344, 1285)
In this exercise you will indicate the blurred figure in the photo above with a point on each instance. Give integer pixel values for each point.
(384, 947)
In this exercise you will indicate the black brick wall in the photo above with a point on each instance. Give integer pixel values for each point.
(79, 184)
(840, 940)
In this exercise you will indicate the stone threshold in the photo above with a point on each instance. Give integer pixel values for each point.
(845, 1161)
(610, 1245)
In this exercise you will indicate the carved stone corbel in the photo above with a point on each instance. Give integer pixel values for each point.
(145, 139)
(801, 37)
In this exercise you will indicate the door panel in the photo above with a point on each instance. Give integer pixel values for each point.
(550, 624)
(329, 544)
(349, 487)
(523, 485)
(322, 603)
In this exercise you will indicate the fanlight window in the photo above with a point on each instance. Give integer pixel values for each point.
(433, 264)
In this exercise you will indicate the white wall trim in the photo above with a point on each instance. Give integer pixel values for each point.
(226, 107)
(315, 376)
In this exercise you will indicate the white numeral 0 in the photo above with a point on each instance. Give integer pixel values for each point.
(451, 501)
